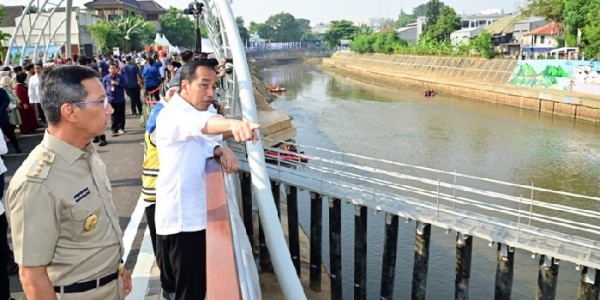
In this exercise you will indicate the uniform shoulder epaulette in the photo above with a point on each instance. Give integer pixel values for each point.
(41, 167)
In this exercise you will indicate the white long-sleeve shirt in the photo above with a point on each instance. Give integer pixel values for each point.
(182, 152)
(34, 89)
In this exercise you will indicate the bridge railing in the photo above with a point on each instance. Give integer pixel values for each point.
(557, 225)
(239, 102)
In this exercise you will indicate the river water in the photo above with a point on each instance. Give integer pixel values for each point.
(447, 133)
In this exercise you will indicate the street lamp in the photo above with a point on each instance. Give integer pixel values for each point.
(195, 9)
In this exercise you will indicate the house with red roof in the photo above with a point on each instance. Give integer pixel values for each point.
(149, 10)
(540, 40)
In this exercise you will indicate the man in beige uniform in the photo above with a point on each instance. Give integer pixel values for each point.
(65, 228)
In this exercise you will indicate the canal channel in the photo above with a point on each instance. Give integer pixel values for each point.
(447, 133)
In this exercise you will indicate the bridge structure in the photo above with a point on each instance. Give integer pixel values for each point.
(287, 55)
(552, 225)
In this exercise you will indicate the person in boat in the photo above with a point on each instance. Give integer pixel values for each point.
(71, 241)
(429, 93)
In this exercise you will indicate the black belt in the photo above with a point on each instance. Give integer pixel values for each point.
(81, 287)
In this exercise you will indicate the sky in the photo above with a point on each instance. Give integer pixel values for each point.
(318, 11)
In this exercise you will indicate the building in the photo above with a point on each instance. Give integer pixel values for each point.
(409, 33)
(540, 40)
(464, 36)
(523, 26)
(502, 32)
(52, 38)
(482, 19)
(110, 9)
(11, 13)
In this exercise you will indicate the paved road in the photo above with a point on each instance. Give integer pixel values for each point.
(123, 157)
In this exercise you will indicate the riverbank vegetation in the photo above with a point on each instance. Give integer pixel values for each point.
(578, 21)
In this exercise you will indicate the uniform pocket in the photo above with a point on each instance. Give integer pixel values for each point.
(85, 214)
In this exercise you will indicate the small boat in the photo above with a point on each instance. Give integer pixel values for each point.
(273, 88)
(295, 156)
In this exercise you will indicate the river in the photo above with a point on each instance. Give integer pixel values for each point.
(447, 133)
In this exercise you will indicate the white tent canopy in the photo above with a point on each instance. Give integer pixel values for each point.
(161, 40)
(174, 49)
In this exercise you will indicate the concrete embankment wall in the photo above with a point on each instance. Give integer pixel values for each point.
(467, 77)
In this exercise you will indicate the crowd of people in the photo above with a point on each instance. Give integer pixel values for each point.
(65, 229)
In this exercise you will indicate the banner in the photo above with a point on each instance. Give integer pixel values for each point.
(579, 37)
(16, 55)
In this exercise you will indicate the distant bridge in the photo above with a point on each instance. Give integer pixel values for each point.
(285, 55)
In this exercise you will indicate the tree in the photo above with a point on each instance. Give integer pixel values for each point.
(338, 30)
(549, 9)
(433, 12)
(386, 42)
(363, 43)
(483, 44)
(100, 34)
(404, 19)
(126, 32)
(591, 31)
(178, 28)
(447, 22)
(244, 35)
(421, 9)
(574, 16)
(304, 29)
(136, 32)
(284, 27)
(363, 29)
(264, 31)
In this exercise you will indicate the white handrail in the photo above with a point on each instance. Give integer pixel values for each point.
(382, 179)
(280, 255)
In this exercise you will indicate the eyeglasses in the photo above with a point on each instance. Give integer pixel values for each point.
(103, 101)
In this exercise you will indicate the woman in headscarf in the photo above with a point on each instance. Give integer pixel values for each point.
(13, 112)
(27, 111)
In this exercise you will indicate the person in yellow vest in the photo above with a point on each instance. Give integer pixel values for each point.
(150, 168)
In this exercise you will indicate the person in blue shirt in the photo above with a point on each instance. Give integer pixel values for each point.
(102, 66)
(132, 75)
(152, 78)
(114, 85)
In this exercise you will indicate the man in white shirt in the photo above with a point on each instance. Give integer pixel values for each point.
(185, 138)
(34, 91)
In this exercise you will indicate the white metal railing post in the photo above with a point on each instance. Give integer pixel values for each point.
(280, 255)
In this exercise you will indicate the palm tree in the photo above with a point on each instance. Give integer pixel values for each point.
(133, 29)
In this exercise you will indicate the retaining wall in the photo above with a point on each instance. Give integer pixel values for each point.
(467, 77)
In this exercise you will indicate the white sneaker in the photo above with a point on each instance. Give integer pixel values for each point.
(121, 131)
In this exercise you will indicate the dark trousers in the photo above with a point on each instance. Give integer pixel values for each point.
(41, 112)
(186, 253)
(4, 250)
(156, 93)
(9, 131)
(166, 282)
(118, 117)
(136, 101)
